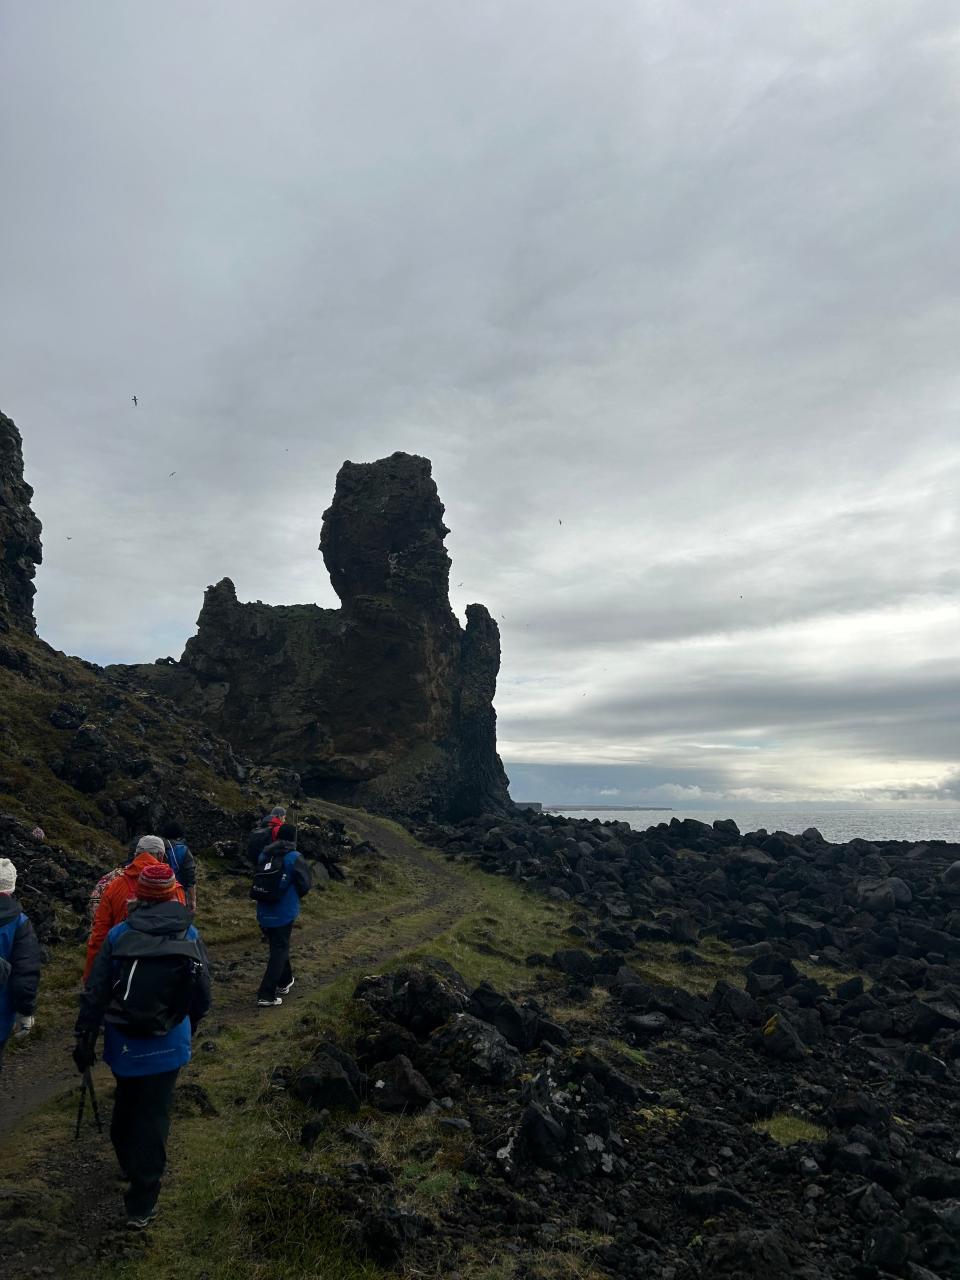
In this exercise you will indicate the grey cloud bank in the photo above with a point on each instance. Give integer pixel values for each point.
(681, 277)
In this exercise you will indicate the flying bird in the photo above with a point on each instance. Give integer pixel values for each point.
(135, 401)
(559, 521)
(172, 473)
(69, 539)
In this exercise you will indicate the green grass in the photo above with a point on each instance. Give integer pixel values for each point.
(620, 1048)
(500, 927)
(786, 1128)
(586, 1012)
(657, 962)
(213, 1225)
(829, 976)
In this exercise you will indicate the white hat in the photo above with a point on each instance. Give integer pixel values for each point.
(152, 844)
(8, 876)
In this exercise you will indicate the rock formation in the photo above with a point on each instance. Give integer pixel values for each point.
(20, 550)
(386, 702)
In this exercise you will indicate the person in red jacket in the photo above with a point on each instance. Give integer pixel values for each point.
(120, 893)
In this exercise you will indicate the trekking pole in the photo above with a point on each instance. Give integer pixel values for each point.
(88, 1081)
(83, 1100)
(86, 1086)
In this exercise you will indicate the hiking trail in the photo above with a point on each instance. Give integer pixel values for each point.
(43, 1068)
(83, 1175)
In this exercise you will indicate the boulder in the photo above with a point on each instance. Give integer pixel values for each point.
(574, 963)
(520, 1025)
(420, 997)
(647, 1026)
(329, 1082)
(780, 1039)
(398, 1086)
(706, 1201)
(475, 1050)
(728, 1001)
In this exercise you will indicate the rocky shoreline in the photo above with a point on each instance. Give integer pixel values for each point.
(756, 1070)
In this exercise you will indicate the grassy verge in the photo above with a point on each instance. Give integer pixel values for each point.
(244, 1200)
(659, 962)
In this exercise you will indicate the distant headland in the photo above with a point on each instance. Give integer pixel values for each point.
(592, 808)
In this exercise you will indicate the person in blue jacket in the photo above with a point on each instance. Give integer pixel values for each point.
(19, 961)
(182, 860)
(151, 985)
(276, 918)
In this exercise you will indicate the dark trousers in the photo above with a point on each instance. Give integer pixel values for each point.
(138, 1131)
(278, 972)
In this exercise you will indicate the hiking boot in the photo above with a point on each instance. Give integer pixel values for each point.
(282, 991)
(268, 1004)
(140, 1224)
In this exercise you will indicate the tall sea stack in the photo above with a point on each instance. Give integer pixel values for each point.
(386, 702)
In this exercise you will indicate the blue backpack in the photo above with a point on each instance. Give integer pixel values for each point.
(7, 935)
(175, 854)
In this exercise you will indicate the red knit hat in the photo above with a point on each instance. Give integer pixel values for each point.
(156, 883)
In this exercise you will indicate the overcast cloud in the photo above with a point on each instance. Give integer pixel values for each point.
(683, 277)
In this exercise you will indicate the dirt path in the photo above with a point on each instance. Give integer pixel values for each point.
(43, 1070)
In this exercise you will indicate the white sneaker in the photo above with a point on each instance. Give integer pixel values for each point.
(269, 1004)
(283, 990)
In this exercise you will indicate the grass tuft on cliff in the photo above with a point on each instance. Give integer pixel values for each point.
(787, 1128)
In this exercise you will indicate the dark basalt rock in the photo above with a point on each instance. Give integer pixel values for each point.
(331, 1080)
(520, 1025)
(20, 549)
(474, 1050)
(419, 998)
(398, 1086)
(386, 703)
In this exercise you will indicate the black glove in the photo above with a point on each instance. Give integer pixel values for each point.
(84, 1051)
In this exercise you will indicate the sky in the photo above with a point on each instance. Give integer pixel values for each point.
(667, 292)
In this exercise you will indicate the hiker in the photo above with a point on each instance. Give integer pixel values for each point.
(265, 834)
(183, 862)
(282, 879)
(19, 962)
(96, 893)
(120, 891)
(150, 985)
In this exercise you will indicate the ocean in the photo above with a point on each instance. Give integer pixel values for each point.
(871, 822)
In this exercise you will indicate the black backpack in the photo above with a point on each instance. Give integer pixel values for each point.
(272, 880)
(154, 988)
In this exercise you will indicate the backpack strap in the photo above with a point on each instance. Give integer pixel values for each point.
(173, 859)
(134, 945)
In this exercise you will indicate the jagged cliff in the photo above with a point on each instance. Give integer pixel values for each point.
(20, 550)
(92, 763)
(386, 702)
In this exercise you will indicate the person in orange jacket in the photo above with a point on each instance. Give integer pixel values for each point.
(119, 893)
